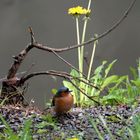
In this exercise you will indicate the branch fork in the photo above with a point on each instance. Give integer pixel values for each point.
(12, 81)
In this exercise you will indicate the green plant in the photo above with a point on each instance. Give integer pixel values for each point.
(25, 133)
(124, 90)
(95, 127)
(48, 121)
(100, 79)
(134, 130)
(76, 12)
(9, 134)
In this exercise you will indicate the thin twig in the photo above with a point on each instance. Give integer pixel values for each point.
(27, 77)
(56, 73)
(32, 35)
(22, 54)
(60, 74)
(17, 62)
(84, 92)
(20, 57)
(58, 50)
(20, 73)
(78, 78)
(28, 70)
(69, 64)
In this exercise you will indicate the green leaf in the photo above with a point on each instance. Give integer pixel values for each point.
(134, 73)
(136, 82)
(69, 85)
(112, 99)
(74, 73)
(10, 135)
(119, 81)
(97, 79)
(8, 129)
(109, 68)
(26, 133)
(99, 69)
(109, 80)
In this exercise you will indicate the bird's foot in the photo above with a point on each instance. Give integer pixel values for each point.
(68, 115)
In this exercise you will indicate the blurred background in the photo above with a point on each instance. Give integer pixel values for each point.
(54, 27)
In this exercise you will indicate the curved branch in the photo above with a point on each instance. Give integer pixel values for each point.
(17, 62)
(58, 50)
(20, 57)
(62, 74)
(69, 64)
(55, 73)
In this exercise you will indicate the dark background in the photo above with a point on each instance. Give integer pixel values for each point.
(54, 27)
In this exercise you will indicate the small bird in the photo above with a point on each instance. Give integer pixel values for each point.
(62, 101)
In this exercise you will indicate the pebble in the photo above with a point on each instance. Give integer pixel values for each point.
(67, 127)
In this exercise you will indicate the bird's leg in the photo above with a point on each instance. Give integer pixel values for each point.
(68, 115)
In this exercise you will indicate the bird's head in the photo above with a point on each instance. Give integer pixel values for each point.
(63, 91)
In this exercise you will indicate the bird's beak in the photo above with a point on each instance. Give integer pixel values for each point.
(70, 91)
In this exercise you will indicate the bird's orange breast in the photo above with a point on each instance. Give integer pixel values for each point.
(63, 104)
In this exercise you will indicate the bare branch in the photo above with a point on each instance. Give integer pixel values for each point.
(21, 56)
(69, 64)
(58, 50)
(17, 62)
(32, 35)
(84, 92)
(11, 79)
(64, 75)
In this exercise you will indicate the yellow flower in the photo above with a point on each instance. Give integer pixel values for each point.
(75, 11)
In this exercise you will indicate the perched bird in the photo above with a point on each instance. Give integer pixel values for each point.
(62, 101)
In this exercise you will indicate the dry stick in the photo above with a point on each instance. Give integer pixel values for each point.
(60, 74)
(17, 62)
(69, 64)
(84, 92)
(31, 34)
(78, 78)
(27, 77)
(21, 56)
(73, 77)
(46, 48)
(18, 59)
(65, 74)
(20, 73)
(88, 83)
(55, 73)
(28, 70)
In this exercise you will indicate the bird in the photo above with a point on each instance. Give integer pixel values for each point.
(62, 101)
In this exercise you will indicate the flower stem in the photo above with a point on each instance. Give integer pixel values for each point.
(78, 40)
(79, 57)
(82, 50)
(83, 36)
(89, 4)
(83, 39)
(91, 63)
(91, 59)
(82, 58)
